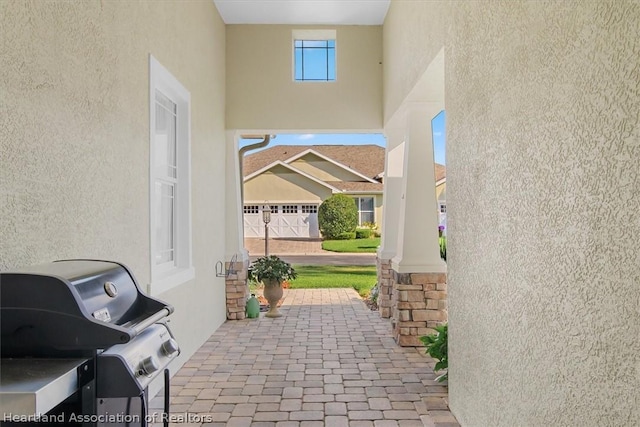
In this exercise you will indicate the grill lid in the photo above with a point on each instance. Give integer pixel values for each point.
(72, 307)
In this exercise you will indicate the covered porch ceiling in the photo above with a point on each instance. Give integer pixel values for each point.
(303, 12)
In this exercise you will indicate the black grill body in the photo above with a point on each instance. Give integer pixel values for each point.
(87, 309)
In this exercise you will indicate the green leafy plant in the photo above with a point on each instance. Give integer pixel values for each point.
(271, 268)
(442, 240)
(337, 215)
(363, 233)
(345, 236)
(373, 295)
(437, 348)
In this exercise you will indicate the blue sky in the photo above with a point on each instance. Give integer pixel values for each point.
(438, 125)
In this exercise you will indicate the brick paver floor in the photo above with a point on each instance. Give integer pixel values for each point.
(329, 361)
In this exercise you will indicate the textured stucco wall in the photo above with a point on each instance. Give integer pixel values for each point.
(261, 92)
(74, 138)
(543, 175)
(413, 34)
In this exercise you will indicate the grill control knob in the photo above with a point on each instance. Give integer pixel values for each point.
(148, 366)
(169, 347)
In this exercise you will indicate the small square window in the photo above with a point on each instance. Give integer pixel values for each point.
(289, 209)
(251, 209)
(315, 60)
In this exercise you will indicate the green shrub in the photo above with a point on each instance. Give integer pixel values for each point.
(437, 348)
(443, 248)
(363, 233)
(337, 215)
(345, 236)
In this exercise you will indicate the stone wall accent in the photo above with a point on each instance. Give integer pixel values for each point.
(419, 303)
(236, 289)
(384, 287)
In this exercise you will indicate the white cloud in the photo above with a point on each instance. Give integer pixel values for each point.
(306, 136)
(437, 133)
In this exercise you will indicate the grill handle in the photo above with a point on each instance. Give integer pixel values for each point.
(150, 321)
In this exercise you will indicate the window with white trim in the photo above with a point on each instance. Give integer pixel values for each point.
(251, 209)
(289, 209)
(443, 207)
(170, 180)
(366, 212)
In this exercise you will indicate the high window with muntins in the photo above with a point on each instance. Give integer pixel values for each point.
(314, 55)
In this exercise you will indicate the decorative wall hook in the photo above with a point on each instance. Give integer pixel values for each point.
(222, 272)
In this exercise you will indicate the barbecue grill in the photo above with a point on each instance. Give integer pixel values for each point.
(80, 342)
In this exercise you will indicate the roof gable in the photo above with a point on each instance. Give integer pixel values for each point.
(312, 153)
(291, 168)
(367, 160)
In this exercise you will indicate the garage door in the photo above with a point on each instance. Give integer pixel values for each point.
(286, 221)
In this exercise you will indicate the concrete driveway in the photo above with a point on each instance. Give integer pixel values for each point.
(306, 252)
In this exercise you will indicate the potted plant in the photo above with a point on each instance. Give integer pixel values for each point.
(272, 271)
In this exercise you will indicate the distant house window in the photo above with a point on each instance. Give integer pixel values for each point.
(289, 209)
(170, 180)
(443, 207)
(365, 210)
(251, 209)
(309, 209)
(274, 209)
(314, 55)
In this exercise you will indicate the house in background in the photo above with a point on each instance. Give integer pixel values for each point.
(441, 193)
(295, 180)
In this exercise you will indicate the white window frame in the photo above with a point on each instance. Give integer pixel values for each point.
(181, 270)
(359, 204)
(319, 35)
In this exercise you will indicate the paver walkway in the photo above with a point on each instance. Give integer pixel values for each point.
(329, 361)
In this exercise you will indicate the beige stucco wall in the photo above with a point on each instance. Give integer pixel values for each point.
(413, 34)
(441, 191)
(324, 170)
(282, 185)
(543, 165)
(560, 281)
(378, 210)
(261, 92)
(74, 138)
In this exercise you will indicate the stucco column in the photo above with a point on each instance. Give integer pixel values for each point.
(236, 279)
(234, 230)
(391, 197)
(417, 248)
(418, 274)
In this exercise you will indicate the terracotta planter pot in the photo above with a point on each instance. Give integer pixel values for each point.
(273, 293)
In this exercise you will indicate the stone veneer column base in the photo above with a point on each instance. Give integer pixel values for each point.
(419, 303)
(384, 287)
(236, 289)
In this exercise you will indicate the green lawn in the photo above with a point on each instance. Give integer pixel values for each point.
(361, 277)
(356, 245)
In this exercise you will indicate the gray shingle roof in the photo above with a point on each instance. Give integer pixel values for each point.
(366, 159)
